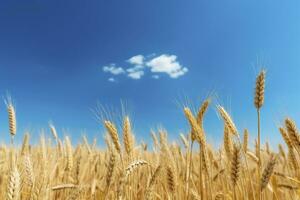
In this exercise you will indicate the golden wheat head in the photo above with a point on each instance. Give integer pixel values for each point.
(259, 90)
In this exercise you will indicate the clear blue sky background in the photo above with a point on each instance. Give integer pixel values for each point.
(52, 55)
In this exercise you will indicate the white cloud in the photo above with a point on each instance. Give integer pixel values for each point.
(135, 68)
(136, 74)
(167, 64)
(139, 64)
(137, 71)
(111, 79)
(113, 69)
(178, 73)
(155, 76)
(136, 60)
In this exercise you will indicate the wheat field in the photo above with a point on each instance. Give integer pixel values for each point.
(188, 169)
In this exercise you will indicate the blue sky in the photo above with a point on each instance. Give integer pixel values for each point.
(59, 58)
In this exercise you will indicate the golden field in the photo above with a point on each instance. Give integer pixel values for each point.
(188, 169)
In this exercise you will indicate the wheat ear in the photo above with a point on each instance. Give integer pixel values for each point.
(235, 167)
(70, 162)
(202, 111)
(148, 195)
(227, 142)
(53, 131)
(197, 133)
(227, 120)
(112, 130)
(25, 144)
(110, 168)
(127, 136)
(286, 137)
(267, 173)
(129, 170)
(293, 132)
(235, 164)
(13, 187)
(11, 118)
(86, 144)
(170, 174)
(245, 140)
(259, 90)
(29, 173)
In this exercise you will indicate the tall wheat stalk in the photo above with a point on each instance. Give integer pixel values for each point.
(258, 102)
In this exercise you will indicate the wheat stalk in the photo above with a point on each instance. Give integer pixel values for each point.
(258, 102)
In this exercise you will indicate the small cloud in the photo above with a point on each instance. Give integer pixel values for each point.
(111, 79)
(137, 71)
(135, 68)
(136, 60)
(139, 64)
(113, 69)
(136, 75)
(155, 76)
(178, 73)
(167, 64)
